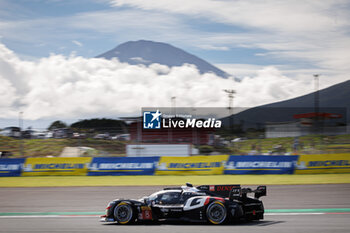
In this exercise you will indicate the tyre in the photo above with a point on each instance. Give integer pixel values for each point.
(124, 213)
(216, 212)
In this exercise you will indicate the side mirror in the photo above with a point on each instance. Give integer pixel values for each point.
(260, 192)
(146, 200)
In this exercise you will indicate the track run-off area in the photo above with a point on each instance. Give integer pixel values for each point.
(289, 208)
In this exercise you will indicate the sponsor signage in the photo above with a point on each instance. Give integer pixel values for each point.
(123, 166)
(56, 166)
(261, 164)
(323, 163)
(157, 120)
(195, 165)
(11, 167)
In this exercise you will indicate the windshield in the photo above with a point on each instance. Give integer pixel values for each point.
(165, 198)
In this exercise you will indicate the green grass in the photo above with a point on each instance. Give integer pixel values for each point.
(62, 181)
(312, 144)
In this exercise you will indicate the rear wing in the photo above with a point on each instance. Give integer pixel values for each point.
(232, 191)
(260, 191)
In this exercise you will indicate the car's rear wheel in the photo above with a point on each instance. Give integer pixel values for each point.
(124, 213)
(216, 212)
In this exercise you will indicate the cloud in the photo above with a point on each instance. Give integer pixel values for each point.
(59, 87)
(77, 43)
(112, 23)
(139, 59)
(213, 47)
(298, 15)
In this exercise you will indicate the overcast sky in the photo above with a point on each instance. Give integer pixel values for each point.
(47, 69)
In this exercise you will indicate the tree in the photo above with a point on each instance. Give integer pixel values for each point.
(57, 125)
(101, 125)
(205, 149)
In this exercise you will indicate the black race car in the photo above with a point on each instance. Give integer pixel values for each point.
(216, 204)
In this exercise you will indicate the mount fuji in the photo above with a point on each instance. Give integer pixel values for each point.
(147, 52)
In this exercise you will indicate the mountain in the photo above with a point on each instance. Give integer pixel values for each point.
(334, 99)
(337, 95)
(148, 52)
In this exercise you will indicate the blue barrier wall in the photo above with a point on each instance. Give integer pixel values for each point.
(11, 167)
(261, 164)
(123, 166)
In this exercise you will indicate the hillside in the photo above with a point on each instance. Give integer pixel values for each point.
(334, 99)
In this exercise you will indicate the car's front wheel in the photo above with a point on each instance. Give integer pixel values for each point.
(216, 212)
(124, 213)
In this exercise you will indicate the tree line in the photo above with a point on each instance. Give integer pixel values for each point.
(98, 124)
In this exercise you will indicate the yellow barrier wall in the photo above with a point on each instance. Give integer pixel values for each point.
(56, 166)
(323, 163)
(196, 165)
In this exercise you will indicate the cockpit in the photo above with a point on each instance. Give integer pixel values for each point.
(166, 197)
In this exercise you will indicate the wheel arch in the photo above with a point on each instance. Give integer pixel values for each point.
(221, 209)
(127, 203)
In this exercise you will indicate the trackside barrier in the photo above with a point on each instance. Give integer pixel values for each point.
(11, 167)
(260, 164)
(195, 165)
(56, 166)
(119, 166)
(323, 163)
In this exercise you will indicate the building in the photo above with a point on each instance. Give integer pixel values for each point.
(307, 123)
(195, 136)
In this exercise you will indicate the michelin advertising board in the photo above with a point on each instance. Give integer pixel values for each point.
(119, 166)
(56, 166)
(196, 165)
(260, 164)
(11, 167)
(323, 163)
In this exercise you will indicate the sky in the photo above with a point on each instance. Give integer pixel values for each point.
(48, 70)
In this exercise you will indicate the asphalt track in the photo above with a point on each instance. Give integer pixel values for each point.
(94, 200)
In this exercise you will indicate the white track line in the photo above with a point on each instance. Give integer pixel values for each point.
(294, 213)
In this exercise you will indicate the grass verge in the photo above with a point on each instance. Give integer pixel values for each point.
(66, 181)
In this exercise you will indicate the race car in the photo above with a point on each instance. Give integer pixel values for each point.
(215, 204)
